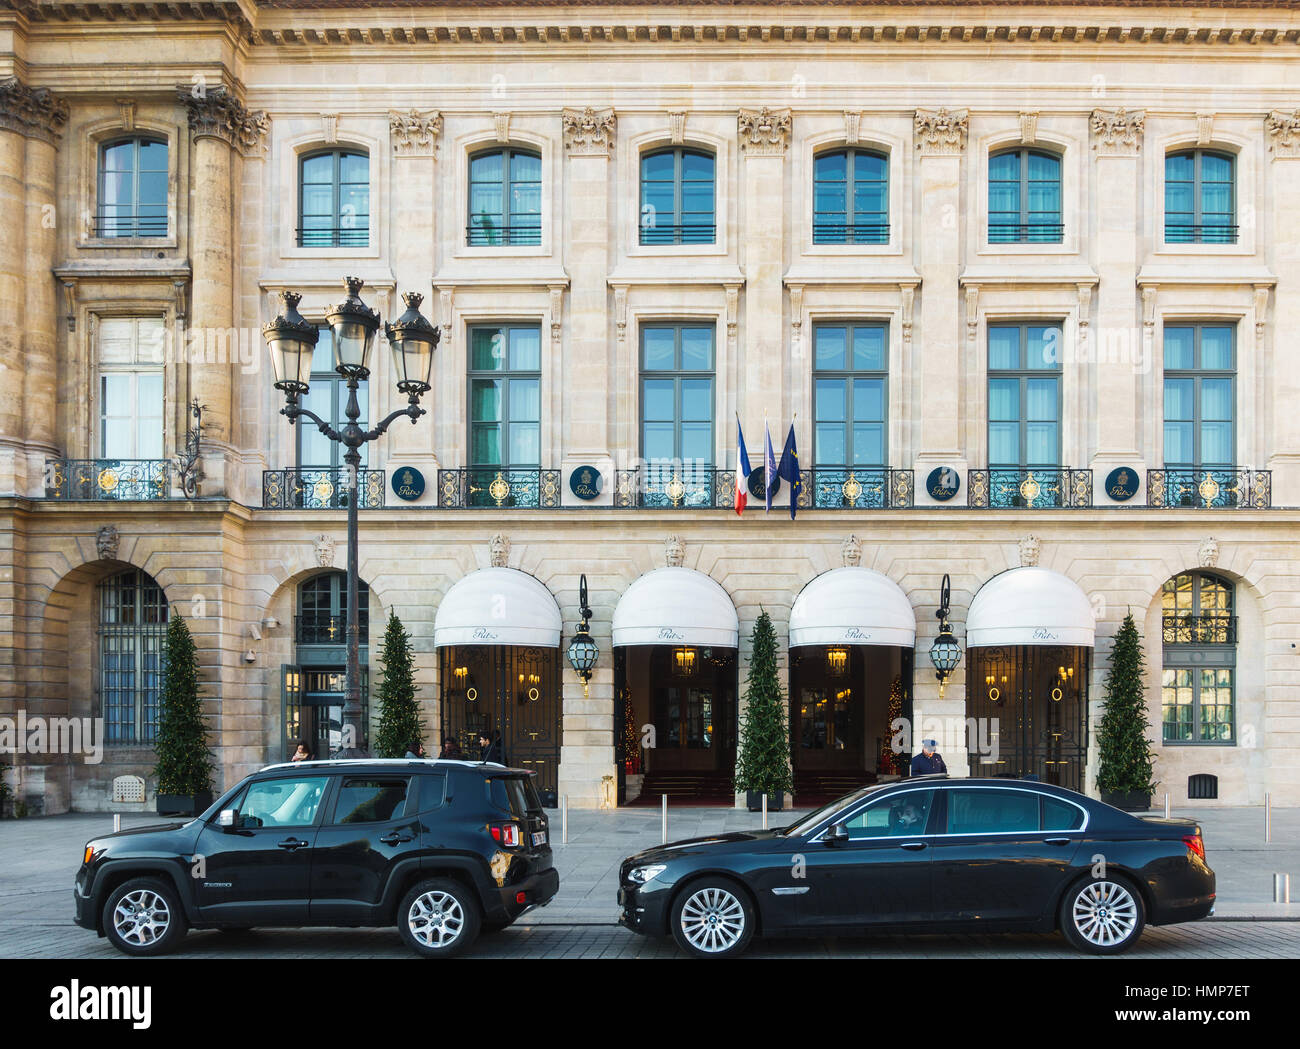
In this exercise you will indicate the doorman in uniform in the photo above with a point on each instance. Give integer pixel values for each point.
(929, 761)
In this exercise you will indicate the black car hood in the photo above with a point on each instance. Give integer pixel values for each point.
(152, 828)
(694, 846)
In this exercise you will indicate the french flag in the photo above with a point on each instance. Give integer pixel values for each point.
(742, 469)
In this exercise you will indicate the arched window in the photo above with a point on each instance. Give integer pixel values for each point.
(505, 198)
(1025, 197)
(677, 197)
(334, 200)
(322, 617)
(132, 188)
(1200, 198)
(1199, 628)
(132, 626)
(851, 197)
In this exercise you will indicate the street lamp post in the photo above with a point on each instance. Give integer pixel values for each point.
(291, 341)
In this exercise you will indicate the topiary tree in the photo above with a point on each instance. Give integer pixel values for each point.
(1125, 752)
(184, 754)
(763, 765)
(399, 714)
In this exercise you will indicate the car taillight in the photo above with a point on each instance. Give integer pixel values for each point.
(1195, 844)
(506, 834)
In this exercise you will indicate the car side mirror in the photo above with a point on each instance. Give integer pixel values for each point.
(226, 820)
(838, 835)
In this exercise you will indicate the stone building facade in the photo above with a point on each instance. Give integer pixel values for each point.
(948, 189)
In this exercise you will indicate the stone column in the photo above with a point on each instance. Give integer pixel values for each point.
(764, 140)
(219, 124)
(1283, 442)
(940, 144)
(1117, 340)
(588, 142)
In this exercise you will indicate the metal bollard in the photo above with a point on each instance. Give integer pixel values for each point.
(765, 812)
(117, 822)
(1268, 818)
(1281, 888)
(664, 802)
(1166, 804)
(564, 820)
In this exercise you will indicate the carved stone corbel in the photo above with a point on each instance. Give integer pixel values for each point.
(764, 132)
(1283, 130)
(589, 132)
(677, 128)
(1117, 132)
(940, 132)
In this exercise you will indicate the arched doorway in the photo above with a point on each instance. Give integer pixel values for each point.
(1030, 633)
(312, 687)
(497, 632)
(675, 634)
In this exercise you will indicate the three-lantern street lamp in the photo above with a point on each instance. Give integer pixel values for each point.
(945, 652)
(292, 341)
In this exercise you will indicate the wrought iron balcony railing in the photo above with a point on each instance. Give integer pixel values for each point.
(860, 488)
(1226, 488)
(350, 237)
(1026, 232)
(1207, 233)
(121, 479)
(321, 628)
(674, 486)
(324, 488)
(504, 487)
(851, 233)
(111, 222)
(1205, 629)
(690, 233)
(1029, 488)
(481, 236)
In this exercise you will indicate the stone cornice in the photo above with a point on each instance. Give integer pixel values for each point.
(217, 113)
(32, 112)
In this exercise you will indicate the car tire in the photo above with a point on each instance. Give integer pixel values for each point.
(439, 918)
(1102, 915)
(712, 918)
(143, 917)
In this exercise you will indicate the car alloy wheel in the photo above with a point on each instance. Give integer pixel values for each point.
(1105, 913)
(141, 918)
(436, 919)
(713, 920)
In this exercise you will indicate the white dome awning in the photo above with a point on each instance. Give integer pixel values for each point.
(498, 606)
(1030, 606)
(852, 606)
(676, 606)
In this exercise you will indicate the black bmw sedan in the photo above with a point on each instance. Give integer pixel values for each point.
(932, 855)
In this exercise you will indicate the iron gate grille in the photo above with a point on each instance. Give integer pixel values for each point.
(132, 628)
(508, 689)
(1030, 704)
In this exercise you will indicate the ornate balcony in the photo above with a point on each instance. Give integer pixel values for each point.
(869, 488)
(674, 486)
(506, 488)
(119, 479)
(1227, 488)
(1032, 488)
(306, 488)
(1205, 629)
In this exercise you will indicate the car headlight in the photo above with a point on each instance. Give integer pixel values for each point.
(641, 875)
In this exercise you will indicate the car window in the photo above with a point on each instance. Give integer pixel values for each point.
(282, 802)
(372, 799)
(818, 815)
(992, 811)
(433, 792)
(901, 815)
(1061, 815)
(514, 793)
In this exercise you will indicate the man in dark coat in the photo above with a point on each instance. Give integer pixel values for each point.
(928, 762)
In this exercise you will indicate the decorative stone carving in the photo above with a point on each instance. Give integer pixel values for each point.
(907, 297)
(589, 132)
(1030, 548)
(764, 132)
(106, 542)
(1208, 555)
(499, 550)
(414, 133)
(329, 128)
(620, 311)
(33, 112)
(446, 297)
(1261, 309)
(1204, 128)
(216, 113)
(502, 122)
(677, 128)
(557, 314)
(675, 551)
(324, 545)
(1085, 312)
(733, 309)
(851, 552)
(972, 312)
(1283, 132)
(1118, 132)
(796, 318)
(126, 109)
(1149, 292)
(1028, 128)
(852, 125)
(940, 132)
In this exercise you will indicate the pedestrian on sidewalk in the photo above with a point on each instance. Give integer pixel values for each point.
(929, 761)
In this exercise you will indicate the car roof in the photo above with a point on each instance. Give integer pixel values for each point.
(485, 768)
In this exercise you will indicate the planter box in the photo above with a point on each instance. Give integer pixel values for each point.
(754, 801)
(1129, 801)
(183, 804)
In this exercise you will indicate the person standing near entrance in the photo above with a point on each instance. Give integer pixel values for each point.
(929, 761)
(492, 749)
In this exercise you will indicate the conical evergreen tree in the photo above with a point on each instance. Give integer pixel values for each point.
(1125, 752)
(763, 765)
(184, 754)
(399, 714)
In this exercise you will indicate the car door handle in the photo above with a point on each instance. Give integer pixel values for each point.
(395, 838)
(913, 846)
(1057, 841)
(292, 843)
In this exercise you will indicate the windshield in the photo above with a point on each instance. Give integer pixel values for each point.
(813, 818)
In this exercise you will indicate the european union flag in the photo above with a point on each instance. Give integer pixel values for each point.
(789, 470)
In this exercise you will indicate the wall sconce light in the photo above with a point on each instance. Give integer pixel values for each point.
(837, 661)
(583, 652)
(945, 652)
(683, 662)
